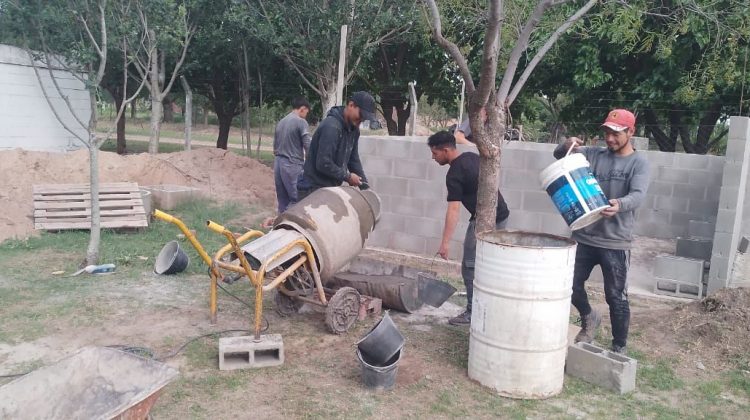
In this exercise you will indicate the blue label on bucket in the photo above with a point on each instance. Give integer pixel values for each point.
(565, 200)
(589, 188)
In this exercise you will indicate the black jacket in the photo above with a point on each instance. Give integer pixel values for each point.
(333, 153)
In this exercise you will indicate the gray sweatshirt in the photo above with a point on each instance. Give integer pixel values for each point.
(292, 138)
(624, 178)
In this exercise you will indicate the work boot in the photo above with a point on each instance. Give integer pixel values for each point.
(463, 319)
(618, 349)
(589, 324)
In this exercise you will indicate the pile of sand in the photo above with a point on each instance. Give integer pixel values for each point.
(714, 331)
(221, 175)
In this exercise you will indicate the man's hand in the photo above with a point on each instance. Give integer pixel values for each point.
(571, 141)
(443, 251)
(354, 180)
(613, 209)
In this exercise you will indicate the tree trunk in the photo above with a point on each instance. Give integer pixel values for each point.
(665, 142)
(121, 147)
(403, 118)
(328, 99)
(488, 142)
(205, 115)
(156, 116)
(225, 124)
(92, 252)
(133, 109)
(706, 127)
(187, 112)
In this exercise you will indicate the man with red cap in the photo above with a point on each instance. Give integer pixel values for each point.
(623, 174)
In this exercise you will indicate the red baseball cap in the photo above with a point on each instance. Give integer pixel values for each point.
(619, 120)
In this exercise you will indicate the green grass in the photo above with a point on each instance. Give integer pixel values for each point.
(659, 375)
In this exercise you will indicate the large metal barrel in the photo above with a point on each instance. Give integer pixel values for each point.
(521, 309)
(336, 221)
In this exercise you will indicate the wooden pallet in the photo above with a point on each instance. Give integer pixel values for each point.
(68, 206)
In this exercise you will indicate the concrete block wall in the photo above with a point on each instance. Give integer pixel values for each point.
(683, 188)
(26, 117)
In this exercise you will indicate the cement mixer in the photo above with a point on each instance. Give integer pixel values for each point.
(309, 242)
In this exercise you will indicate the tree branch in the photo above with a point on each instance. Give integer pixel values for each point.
(521, 44)
(545, 48)
(448, 46)
(489, 54)
(190, 30)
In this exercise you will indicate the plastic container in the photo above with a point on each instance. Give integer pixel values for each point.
(379, 377)
(171, 259)
(521, 307)
(574, 191)
(382, 342)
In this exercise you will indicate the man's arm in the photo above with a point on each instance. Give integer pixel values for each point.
(562, 148)
(451, 220)
(355, 165)
(461, 132)
(326, 148)
(305, 136)
(638, 186)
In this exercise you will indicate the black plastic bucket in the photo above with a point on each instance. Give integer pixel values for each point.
(171, 259)
(382, 342)
(432, 291)
(379, 377)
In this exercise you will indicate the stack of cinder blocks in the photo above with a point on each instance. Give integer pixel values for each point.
(684, 274)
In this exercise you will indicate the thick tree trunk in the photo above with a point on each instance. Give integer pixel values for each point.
(225, 124)
(156, 116)
(92, 252)
(328, 99)
(121, 147)
(168, 111)
(133, 110)
(665, 142)
(403, 113)
(488, 138)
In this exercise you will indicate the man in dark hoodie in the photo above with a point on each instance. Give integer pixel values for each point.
(333, 155)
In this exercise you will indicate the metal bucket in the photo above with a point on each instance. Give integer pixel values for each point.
(432, 291)
(336, 221)
(379, 377)
(171, 259)
(521, 306)
(382, 342)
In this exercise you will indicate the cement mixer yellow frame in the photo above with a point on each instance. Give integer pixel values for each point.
(256, 277)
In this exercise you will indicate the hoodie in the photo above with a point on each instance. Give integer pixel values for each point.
(333, 153)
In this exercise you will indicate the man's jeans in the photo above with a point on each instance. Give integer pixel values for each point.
(469, 259)
(614, 264)
(285, 174)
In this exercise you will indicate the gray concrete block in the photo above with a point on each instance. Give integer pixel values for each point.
(690, 161)
(724, 244)
(436, 172)
(379, 237)
(744, 244)
(707, 178)
(691, 192)
(640, 143)
(725, 220)
(423, 226)
(681, 219)
(699, 249)
(705, 208)
(527, 180)
(513, 198)
(536, 160)
(537, 201)
(554, 225)
(685, 270)
(678, 289)
(660, 159)
(732, 174)
(525, 220)
(367, 146)
(667, 174)
(512, 159)
(410, 168)
(700, 229)
(739, 128)
(601, 367)
(660, 188)
(408, 206)
(713, 193)
(660, 230)
(391, 221)
(672, 204)
(377, 166)
(729, 198)
(406, 242)
(428, 190)
(398, 187)
(396, 148)
(245, 352)
(422, 151)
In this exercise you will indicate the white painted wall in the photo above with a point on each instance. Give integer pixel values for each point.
(26, 120)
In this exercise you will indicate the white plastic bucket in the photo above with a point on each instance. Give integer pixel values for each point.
(520, 312)
(574, 191)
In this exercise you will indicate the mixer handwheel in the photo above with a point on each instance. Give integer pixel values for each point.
(342, 310)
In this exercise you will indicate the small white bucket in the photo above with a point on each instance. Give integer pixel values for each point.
(574, 191)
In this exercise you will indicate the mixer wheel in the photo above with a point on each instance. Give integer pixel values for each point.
(285, 305)
(342, 310)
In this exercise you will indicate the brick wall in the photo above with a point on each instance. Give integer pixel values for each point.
(412, 186)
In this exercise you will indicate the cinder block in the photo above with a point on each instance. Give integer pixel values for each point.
(690, 161)
(732, 174)
(398, 187)
(681, 219)
(723, 245)
(661, 230)
(744, 243)
(511, 159)
(395, 147)
(667, 174)
(601, 367)
(678, 288)
(685, 270)
(406, 242)
(691, 192)
(245, 352)
(729, 198)
(673, 204)
(391, 221)
(367, 145)
(378, 166)
(427, 190)
(423, 226)
(513, 198)
(408, 168)
(167, 196)
(555, 225)
(704, 208)
(369, 306)
(639, 143)
(701, 230)
(537, 201)
(699, 249)
(725, 220)
(524, 220)
(707, 178)
(407, 206)
(660, 188)
(657, 159)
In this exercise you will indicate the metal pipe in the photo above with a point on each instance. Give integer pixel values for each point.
(282, 277)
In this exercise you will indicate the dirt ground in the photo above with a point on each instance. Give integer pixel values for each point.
(219, 174)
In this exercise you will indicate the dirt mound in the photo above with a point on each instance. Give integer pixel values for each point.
(713, 331)
(221, 175)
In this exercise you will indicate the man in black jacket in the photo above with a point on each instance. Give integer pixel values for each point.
(333, 155)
